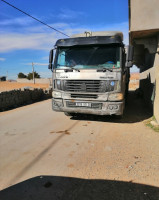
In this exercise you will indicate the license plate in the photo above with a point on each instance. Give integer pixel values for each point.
(81, 104)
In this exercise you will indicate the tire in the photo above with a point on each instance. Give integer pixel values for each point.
(119, 116)
(69, 114)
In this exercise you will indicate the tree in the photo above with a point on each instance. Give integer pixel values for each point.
(30, 75)
(21, 75)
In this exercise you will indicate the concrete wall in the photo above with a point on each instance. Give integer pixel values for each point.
(144, 14)
(156, 102)
(147, 84)
(16, 98)
(37, 80)
(144, 57)
(144, 36)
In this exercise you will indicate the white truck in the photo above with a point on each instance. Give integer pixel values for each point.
(90, 73)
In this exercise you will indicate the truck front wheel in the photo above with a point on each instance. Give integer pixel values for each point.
(119, 116)
(69, 114)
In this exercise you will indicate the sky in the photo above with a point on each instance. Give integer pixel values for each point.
(23, 40)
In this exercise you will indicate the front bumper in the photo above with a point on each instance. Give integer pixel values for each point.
(96, 108)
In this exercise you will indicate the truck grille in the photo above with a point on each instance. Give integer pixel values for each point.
(93, 96)
(88, 86)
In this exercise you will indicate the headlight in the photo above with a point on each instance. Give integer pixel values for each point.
(56, 94)
(115, 97)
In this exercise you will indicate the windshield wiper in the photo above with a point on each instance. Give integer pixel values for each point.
(68, 68)
(74, 68)
(104, 69)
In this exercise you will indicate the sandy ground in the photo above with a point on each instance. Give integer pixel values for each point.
(134, 81)
(113, 158)
(134, 76)
(6, 86)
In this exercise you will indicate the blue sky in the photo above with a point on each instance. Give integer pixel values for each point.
(23, 40)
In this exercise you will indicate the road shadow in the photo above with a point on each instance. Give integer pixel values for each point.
(66, 188)
(136, 110)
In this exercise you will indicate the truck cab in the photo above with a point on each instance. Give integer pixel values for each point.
(90, 74)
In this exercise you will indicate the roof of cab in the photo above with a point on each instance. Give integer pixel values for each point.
(92, 38)
(99, 33)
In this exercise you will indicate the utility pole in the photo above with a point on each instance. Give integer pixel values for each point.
(7, 75)
(33, 72)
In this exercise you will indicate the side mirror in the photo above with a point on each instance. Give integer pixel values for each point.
(51, 56)
(129, 56)
(50, 66)
(51, 59)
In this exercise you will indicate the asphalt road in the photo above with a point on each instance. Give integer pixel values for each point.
(35, 141)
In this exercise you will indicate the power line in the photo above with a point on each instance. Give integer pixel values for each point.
(34, 18)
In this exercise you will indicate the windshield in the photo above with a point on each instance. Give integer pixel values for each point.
(88, 57)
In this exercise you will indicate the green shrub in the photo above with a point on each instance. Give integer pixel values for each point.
(21, 75)
(30, 75)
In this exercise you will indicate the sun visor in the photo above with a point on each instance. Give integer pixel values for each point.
(94, 40)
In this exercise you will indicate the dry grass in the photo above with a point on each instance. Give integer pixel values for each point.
(148, 123)
(6, 86)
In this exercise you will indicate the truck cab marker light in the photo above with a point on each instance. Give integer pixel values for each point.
(112, 83)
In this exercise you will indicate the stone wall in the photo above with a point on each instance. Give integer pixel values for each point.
(16, 98)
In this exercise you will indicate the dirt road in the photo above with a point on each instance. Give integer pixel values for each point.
(36, 141)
